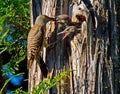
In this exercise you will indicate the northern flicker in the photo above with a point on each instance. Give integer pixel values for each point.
(63, 18)
(62, 22)
(69, 31)
(36, 37)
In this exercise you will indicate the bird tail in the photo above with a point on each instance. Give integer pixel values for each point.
(29, 64)
(43, 66)
(41, 63)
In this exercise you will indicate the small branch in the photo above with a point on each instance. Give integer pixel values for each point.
(3, 50)
(17, 17)
(19, 26)
(11, 45)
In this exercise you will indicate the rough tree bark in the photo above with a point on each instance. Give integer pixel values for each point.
(92, 53)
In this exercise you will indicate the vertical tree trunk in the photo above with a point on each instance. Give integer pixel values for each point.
(92, 53)
(34, 74)
(116, 68)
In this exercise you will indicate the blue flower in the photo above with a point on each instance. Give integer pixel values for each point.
(24, 42)
(9, 38)
(8, 91)
(16, 81)
(9, 75)
(6, 26)
(12, 29)
(5, 68)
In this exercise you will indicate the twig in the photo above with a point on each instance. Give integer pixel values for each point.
(11, 44)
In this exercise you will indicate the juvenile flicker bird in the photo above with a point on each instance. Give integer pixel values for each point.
(63, 21)
(69, 31)
(35, 38)
(63, 18)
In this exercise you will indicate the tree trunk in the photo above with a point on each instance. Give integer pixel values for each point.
(92, 53)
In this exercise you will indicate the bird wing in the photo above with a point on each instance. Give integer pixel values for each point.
(33, 43)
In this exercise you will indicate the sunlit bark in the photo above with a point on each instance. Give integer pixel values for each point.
(92, 53)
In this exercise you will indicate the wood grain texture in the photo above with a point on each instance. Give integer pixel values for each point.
(92, 53)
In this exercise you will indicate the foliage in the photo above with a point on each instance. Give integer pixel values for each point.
(43, 86)
(14, 25)
(6, 82)
(20, 91)
(9, 74)
(49, 83)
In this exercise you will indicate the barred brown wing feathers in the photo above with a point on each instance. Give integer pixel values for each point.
(35, 40)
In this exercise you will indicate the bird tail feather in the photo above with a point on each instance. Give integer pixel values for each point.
(41, 63)
(43, 66)
(30, 63)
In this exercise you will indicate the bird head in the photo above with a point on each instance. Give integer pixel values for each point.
(43, 20)
(69, 31)
(64, 18)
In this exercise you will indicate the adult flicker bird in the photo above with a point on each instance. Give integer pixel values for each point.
(69, 31)
(35, 40)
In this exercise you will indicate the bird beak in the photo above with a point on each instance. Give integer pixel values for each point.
(79, 29)
(57, 18)
(66, 34)
(54, 18)
(60, 33)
